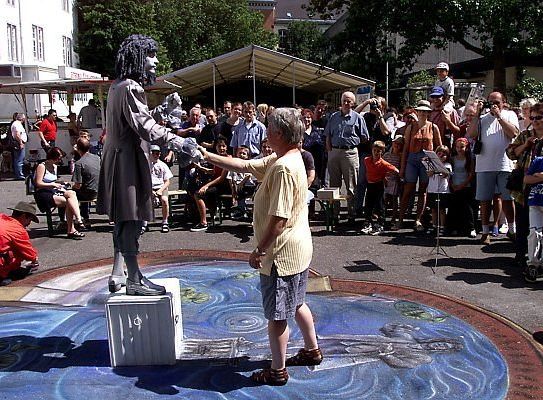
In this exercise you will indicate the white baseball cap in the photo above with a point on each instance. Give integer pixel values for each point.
(442, 65)
(154, 147)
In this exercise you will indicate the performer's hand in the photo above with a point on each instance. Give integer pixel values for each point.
(203, 151)
(255, 260)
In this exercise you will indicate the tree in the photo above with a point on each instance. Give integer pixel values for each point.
(188, 31)
(493, 29)
(304, 40)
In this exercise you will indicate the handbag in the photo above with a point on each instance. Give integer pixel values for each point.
(515, 180)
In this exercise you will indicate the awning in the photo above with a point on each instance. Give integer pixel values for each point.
(261, 64)
(58, 85)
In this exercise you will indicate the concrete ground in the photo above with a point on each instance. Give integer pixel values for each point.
(483, 276)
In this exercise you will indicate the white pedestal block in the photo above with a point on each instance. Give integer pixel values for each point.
(145, 330)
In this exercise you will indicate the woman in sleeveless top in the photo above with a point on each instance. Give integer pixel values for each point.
(50, 194)
(419, 135)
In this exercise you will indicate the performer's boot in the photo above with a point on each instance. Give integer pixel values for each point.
(117, 279)
(137, 284)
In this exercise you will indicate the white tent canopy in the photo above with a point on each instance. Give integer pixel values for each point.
(257, 63)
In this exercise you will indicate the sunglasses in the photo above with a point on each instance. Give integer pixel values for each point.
(536, 118)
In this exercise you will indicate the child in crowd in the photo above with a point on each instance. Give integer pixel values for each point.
(446, 82)
(160, 179)
(377, 169)
(392, 182)
(438, 189)
(243, 186)
(461, 217)
(534, 177)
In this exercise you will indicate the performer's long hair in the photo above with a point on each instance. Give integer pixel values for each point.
(131, 57)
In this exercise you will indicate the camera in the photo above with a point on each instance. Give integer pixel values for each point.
(373, 106)
(487, 104)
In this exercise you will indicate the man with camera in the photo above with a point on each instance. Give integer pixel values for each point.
(495, 130)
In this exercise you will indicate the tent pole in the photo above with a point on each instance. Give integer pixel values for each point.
(102, 108)
(293, 84)
(25, 107)
(214, 90)
(254, 79)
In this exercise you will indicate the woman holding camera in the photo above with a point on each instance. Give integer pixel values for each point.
(52, 194)
(526, 146)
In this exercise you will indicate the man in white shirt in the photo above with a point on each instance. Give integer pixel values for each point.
(497, 129)
(20, 138)
(88, 116)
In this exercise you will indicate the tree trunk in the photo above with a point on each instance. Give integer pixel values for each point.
(500, 83)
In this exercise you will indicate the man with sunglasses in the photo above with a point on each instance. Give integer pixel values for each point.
(496, 130)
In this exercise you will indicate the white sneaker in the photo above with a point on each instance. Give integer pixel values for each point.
(504, 229)
(473, 234)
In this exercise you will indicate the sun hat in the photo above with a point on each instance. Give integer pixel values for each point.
(26, 208)
(423, 105)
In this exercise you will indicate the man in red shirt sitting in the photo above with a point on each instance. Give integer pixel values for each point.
(48, 130)
(377, 170)
(15, 246)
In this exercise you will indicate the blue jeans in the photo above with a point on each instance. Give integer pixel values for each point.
(18, 161)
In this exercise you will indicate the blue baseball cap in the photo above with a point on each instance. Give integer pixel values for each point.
(437, 91)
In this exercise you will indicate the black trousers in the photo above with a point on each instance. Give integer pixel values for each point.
(461, 215)
(522, 221)
(374, 202)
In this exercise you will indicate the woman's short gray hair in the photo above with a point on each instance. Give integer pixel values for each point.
(288, 121)
(528, 102)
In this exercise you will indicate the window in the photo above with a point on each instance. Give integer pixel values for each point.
(13, 45)
(67, 51)
(37, 42)
(65, 5)
(283, 36)
(11, 3)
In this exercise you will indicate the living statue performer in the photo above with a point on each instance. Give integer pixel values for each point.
(125, 193)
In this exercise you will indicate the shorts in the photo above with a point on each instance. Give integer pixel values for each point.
(414, 168)
(282, 295)
(490, 183)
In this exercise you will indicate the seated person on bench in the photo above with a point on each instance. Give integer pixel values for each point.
(51, 193)
(160, 179)
(85, 177)
(243, 186)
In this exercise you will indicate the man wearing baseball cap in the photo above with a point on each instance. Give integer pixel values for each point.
(15, 246)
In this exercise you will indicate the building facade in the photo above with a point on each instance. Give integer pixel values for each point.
(37, 43)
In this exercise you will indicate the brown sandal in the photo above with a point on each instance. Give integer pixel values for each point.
(270, 376)
(305, 358)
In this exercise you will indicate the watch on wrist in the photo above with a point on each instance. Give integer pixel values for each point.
(259, 252)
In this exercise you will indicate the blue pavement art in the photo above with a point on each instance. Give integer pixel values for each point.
(375, 348)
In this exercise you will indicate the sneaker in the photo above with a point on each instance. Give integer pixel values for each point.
(366, 229)
(512, 236)
(376, 230)
(472, 234)
(504, 228)
(199, 228)
(418, 226)
(485, 239)
(165, 228)
(531, 274)
(144, 229)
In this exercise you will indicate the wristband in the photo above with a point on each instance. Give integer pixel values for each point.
(259, 252)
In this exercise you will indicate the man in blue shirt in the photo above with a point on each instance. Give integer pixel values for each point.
(250, 133)
(345, 130)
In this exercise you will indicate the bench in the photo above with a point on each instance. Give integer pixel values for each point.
(328, 206)
(177, 195)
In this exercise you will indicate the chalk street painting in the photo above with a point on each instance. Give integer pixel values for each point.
(375, 347)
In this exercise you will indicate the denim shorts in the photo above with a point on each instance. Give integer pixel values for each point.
(490, 183)
(414, 168)
(282, 295)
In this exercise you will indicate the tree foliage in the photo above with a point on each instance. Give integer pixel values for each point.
(492, 29)
(529, 87)
(305, 40)
(188, 31)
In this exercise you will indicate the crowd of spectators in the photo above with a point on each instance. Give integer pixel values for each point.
(375, 153)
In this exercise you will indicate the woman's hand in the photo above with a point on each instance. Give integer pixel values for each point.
(255, 260)
(202, 190)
